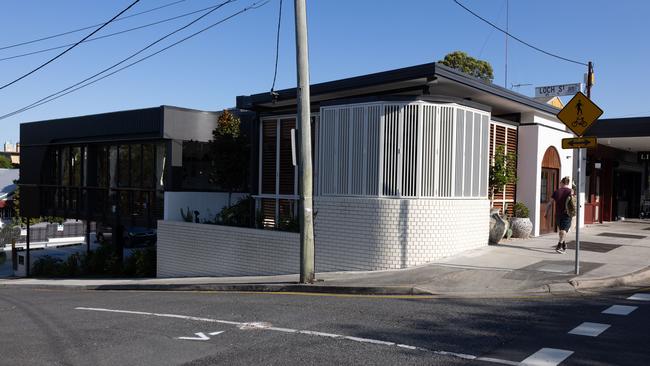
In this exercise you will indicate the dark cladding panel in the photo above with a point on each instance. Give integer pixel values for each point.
(140, 123)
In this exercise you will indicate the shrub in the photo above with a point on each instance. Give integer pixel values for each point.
(238, 214)
(520, 210)
(48, 266)
(141, 263)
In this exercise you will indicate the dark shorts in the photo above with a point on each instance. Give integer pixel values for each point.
(564, 222)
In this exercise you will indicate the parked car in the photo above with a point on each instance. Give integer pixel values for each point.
(138, 236)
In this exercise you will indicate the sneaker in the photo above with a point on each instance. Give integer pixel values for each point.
(564, 246)
(558, 248)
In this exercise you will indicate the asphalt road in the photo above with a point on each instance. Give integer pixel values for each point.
(59, 327)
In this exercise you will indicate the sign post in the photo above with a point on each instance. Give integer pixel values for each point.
(578, 115)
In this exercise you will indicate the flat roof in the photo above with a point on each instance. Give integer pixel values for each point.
(620, 127)
(439, 79)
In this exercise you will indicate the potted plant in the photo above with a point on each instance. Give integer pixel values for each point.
(520, 221)
(503, 171)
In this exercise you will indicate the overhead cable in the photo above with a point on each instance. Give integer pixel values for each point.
(77, 86)
(277, 48)
(88, 27)
(69, 48)
(110, 34)
(518, 39)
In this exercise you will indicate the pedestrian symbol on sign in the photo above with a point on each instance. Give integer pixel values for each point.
(579, 114)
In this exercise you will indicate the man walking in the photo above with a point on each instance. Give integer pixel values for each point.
(562, 217)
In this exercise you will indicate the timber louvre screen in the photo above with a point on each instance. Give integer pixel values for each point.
(417, 149)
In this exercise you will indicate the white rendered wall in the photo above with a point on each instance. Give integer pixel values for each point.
(204, 202)
(354, 233)
(536, 134)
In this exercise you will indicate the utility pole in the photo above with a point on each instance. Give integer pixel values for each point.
(303, 125)
(590, 70)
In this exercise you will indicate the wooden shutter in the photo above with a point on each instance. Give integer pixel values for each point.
(269, 145)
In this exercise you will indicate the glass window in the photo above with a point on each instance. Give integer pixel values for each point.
(123, 166)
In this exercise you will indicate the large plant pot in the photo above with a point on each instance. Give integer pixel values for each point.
(521, 227)
(498, 226)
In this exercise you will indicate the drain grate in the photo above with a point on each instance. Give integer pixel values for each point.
(623, 236)
(592, 246)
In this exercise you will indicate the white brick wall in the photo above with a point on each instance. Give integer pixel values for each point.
(384, 233)
(351, 234)
(187, 249)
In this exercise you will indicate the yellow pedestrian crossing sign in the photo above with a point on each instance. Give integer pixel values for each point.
(579, 114)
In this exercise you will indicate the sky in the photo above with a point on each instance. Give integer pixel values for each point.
(346, 38)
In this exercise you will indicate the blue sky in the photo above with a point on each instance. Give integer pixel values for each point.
(347, 38)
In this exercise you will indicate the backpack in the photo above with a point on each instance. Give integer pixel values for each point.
(571, 206)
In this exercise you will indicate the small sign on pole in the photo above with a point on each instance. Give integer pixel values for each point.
(557, 90)
(579, 142)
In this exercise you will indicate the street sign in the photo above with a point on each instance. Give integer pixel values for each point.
(579, 114)
(557, 90)
(579, 143)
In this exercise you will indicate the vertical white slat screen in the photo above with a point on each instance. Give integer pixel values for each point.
(476, 155)
(446, 151)
(485, 122)
(356, 151)
(428, 150)
(409, 150)
(469, 134)
(415, 149)
(328, 162)
(460, 149)
(372, 144)
(391, 150)
(343, 122)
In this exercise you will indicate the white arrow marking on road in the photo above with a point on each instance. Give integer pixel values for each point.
(200, 336)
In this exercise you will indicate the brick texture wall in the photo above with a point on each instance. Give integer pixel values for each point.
(352, 234)
(188, 249)
(376, 234)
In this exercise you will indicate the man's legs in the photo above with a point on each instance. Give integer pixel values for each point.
(561, 244)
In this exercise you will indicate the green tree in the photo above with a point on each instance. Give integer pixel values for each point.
(465, 63)
(5, 163)
(230, 155)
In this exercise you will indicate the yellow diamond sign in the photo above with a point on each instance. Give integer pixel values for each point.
(579, 114)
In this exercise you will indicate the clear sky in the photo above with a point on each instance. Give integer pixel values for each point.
(347, 38)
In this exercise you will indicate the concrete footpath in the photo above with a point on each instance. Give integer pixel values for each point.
(613, 255)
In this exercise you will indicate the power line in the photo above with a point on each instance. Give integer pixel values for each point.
(518, 39)
(88, 27)
(69, 48)
(277, 48)
(110, 34)
(77, 86)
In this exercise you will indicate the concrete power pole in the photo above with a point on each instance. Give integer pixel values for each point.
(305, 211)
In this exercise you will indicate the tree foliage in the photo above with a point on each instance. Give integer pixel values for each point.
(463, 62)
(5, 162)
(230, 154)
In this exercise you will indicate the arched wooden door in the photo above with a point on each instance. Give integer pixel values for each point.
(549, 183)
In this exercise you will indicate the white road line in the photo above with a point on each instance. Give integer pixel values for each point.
(640, 297)
(321, 334)
(546, 357)
(267, 326)
(497, 360)
(163, 315)
(589, 329)
(619, 310)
